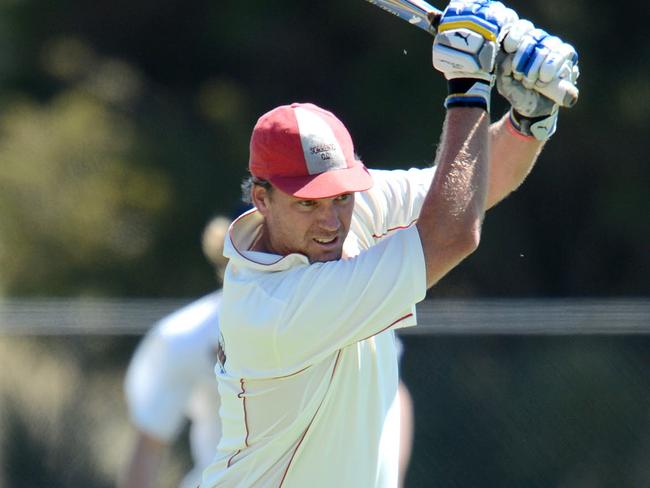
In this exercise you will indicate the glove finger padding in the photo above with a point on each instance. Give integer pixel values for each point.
(467, 41)
(514, 35)
(553, 63)
(524, 100)
(465, 49)
(532, 113)
(542, 62)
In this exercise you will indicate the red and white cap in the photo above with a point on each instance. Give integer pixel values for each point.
(307, 152)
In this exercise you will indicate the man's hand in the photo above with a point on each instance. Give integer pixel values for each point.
(536, 73)
(466, 46)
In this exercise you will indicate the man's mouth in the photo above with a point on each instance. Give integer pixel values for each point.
(326, 241)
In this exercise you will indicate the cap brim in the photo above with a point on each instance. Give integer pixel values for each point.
(328, 184)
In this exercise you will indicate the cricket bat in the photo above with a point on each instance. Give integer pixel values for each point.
(416, 12)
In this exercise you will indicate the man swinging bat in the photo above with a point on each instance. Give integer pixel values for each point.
(334, 257)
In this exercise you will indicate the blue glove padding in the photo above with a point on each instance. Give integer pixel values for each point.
(538, 61)
(536, 73)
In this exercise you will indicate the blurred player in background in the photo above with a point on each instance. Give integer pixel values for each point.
(171, 378)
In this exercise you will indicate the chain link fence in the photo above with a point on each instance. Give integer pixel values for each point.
(55, 317)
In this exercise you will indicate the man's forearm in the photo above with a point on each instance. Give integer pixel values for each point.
(512, 157)
(465, 51)
(450, 220)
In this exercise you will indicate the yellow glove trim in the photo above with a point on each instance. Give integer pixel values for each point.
(464, 24)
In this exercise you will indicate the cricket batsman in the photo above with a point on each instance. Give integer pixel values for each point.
(334, 257)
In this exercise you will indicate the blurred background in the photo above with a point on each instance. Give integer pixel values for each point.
(124, 127)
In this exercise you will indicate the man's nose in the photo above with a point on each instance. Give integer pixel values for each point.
(329, 218)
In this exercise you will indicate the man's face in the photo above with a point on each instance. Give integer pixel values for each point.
(314, 228)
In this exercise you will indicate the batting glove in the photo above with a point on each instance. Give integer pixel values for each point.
(465, 49)
(537, 74)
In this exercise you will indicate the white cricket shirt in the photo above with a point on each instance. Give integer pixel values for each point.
(171, 378)
(309, 385)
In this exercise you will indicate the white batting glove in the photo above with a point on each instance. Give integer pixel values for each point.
(537, 74)
(465, 49)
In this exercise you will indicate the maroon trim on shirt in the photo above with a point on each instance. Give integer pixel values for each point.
(338, 357)
(388, 231)
(232, 457)
(243, 399)
(291, 374)
(389, 326)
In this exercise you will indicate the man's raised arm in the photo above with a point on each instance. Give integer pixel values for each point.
(450, 220)
(532, 66)
(465, 51)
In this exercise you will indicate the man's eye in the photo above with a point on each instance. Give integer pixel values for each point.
(306, 203)
(343, 198)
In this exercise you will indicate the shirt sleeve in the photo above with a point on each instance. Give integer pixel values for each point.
(295, 318)
(395, 200)
(155, 394)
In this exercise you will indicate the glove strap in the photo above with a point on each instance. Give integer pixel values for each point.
(541, 128)
(468, 92)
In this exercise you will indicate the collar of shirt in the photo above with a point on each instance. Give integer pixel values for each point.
(243, 232)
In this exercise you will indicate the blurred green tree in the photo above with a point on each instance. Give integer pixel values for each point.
(152, 105)
(71, 196)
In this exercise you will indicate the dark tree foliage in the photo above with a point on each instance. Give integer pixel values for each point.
(125, 127)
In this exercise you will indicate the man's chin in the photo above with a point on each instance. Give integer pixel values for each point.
(324, 257)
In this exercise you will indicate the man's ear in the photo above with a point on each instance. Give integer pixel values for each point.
(260, 197)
